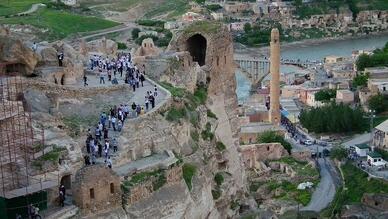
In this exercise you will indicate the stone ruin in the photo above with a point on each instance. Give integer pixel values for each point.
(96, 189)
(251, 154)
(147, 48)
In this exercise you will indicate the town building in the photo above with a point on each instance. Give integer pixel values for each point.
(377, 72)
(375, 159)
(362, 150)
(380, 136)
(333, 59)
(378, 85)
(237, 7)
(250, 132)
(344, 96)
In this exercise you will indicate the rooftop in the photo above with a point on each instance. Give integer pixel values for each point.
(374, 154)
(362, 146)
(383, 126)
(258, 127)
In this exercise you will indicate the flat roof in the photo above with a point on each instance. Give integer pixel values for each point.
(258, 127)
(362, 146)
(374, 154)
(383, 126)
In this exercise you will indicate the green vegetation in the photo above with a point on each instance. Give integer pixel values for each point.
(195, 135)
(361, 80)
(76, 123)
(207, 134)
(189, 171)
(52, 156)
(254, 186)
(325, 95)
(60, 24)
(200, 95)
(216, 193)
(12, 7)
(135, 33)
(220, 146)
(378, 58)
(205, 26)
(210, 114)
(379, 103)
(121, 46)
(333, 118)
(302, 168)
(213, 7)
(157, 176)
(383, 153)
(338, 153)
(291, 192)
(151, 23)
(175, 114)
(357, 183)
(274, 137)
(255, 35)
(219, 179)
(235, 204)
(175, 91)
(172, 8)
(159, 41)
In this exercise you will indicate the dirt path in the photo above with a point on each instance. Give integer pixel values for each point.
(33, 8)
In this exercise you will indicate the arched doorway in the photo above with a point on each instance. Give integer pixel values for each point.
(66, 181)
(196, 45)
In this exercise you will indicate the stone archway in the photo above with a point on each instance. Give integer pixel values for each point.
(66, 181)
(196, 45)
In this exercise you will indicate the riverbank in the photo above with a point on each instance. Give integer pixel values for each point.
(264, 50)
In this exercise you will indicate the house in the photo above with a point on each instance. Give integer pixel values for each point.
(375, 159)
(378, 85)
(362, 150)
(344, 96)
(333, 59)
(377, 72)
(380, 135)
(310, 101)
(237, 7)
(217, 15)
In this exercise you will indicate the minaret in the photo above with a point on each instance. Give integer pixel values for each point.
(274, 109)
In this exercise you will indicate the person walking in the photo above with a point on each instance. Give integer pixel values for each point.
(147, 101)
(60, 59)
(102, 77)
(142, 79)
(85, 81)
(114, 123)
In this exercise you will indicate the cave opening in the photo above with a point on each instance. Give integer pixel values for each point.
(196, 46)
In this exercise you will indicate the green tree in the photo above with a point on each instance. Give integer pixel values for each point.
(274, 137)
(135, 33)
(247, 27)
(363, 61)
(361, 80)
(379, 103)
(325, 95)
(333, 118)
(200, 1)
(338, 153)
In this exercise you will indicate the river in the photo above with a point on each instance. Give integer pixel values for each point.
(312, 51)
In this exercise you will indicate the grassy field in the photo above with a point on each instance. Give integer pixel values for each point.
(152, 8)
(60, 24)
(10, 7)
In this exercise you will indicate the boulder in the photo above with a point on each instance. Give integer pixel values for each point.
(14, 51)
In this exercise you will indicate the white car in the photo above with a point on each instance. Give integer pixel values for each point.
(308, 142)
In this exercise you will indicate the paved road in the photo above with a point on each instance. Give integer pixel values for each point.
(325, 191)
(364, 138)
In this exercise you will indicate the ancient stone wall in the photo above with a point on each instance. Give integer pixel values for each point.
(261, 152)
(377, 201)
(139, 192)
(174, 175)
(96, 189)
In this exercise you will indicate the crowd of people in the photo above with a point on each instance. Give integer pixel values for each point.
(99, 142)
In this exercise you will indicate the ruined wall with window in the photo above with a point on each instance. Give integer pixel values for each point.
(96, 189)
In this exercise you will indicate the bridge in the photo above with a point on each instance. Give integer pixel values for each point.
(258, 68)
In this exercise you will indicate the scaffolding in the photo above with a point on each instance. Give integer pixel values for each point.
(20, 143)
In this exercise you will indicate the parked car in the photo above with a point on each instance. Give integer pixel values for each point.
(308, 142)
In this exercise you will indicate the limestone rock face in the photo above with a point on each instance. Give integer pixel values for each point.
(14, 51)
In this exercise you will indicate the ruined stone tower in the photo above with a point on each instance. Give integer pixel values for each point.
(274, 110)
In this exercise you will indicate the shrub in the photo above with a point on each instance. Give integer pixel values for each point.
(194, 135)
(207, 134)
(216, 193)
(135, 33)
(220, 146)
(189, 171)
(200, 95)
(274, 137)
(151, 23)
(210, 114)
(121, 46)
(219, 179)
(175, 114)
